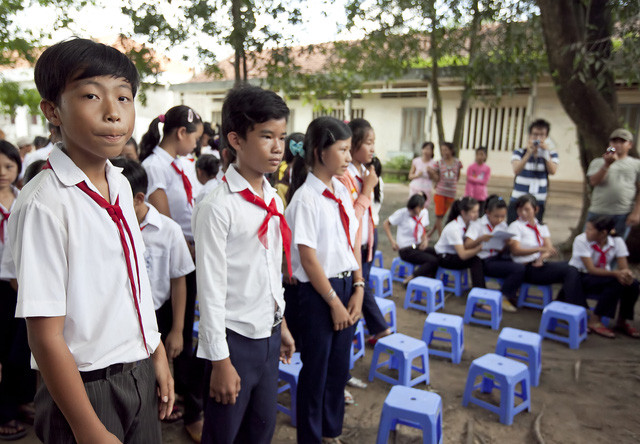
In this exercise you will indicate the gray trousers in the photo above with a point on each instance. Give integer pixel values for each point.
(126, 403)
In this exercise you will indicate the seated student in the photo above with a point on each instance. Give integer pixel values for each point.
(207, 167)
(595, 253)
(411, 241)
(494, 259)
(90, 319)
(531, 246)
(450, 248)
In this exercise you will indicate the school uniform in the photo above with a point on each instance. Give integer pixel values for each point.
(531, 236)
(241, 304)
(61, 231)
(315, 220)
(409, 231)
(453, 234)
(496, 264)
(206, 189)
(606, 289)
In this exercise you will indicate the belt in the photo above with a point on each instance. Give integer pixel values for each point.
(104, 373)
(342, 275)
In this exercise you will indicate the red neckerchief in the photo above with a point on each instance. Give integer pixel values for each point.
(3, 222)
(602, 261)
(272, 210)
(538, 237)
(415, 229)
(186, 183)
(344, 217)
(490, 228)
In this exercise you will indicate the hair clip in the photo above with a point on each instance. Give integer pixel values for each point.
(333, 139)
(500, 198)
(296, 148)
(161, 118)
(190, 116)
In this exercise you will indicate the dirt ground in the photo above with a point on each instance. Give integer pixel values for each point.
(586, 395)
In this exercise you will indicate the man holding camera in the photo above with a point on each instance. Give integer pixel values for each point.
(532, 166)
(615, 178)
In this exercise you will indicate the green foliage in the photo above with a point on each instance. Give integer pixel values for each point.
(12, 97)
(396, 169)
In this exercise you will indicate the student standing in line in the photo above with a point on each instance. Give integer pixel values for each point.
(207, 167)
(90, 319)
(478, 175)
(240, 233)
(325, 258)
(422, 173)
(447, 172)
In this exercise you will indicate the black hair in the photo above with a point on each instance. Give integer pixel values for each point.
(77, 59)
(9, 150)
(295, 138)
(483, 148)
(359, 130)
(525, 199)
(450, 146)
(133, 142)
(377, 167)
(246, 106)
(173, 119)
(494, 202)
(540, 123)
(209, 164)
(40, 142)
(32, 170)
(603, 223)
(321, 134)
(463, 204)
(208, 129)
(135, 174)
(417, 200)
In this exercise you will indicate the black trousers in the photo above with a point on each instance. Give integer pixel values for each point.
(504, 268)
(426, 261)
(474, 265)
(609, 293)
(370, 310)
(555, 273)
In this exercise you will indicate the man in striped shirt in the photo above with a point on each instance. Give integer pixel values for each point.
(532, 166)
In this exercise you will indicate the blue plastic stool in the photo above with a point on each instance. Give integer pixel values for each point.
(449, 324)
(497, 280)
(575, 317)
(289, 374)
(527, 344)
(424, 288)
(380, 282)
(484, 296)
(524, 297)
(413, 408)
(503, 374)
(402, 351)
(357, 346)
(401, 269)
(460, 279)
(378, 259)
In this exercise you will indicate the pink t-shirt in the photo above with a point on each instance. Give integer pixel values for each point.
(477, 179)
(449, 175)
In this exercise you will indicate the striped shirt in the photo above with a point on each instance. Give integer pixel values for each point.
(533, 177)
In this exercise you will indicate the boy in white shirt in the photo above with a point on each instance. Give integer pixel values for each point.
(239, 234)
(92, 329)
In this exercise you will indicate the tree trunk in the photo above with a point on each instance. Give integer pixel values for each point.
(435, 85)
(586, 89)
(236, 40)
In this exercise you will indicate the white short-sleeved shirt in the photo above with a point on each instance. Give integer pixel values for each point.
(315, 222)
(614, 249)
(70, 262)
(406, 226)
(481, 227)
(528, 239)
(41, 154)
(167, 254)
(358, 176)
(239, 280)
(162, 176)
(206, 189)
(452, 234)
(7, 270)
(189, 168)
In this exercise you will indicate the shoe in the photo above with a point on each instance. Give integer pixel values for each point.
(357, 383)
(507, 305)
(348, 397)
(603, 331)
(12, 430)
(628, 330)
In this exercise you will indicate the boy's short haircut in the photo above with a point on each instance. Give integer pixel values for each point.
(209, 164)
(540, 123)
(135, 174)
(33, 169)
(482, 148)
(248, 105)
(77, 59)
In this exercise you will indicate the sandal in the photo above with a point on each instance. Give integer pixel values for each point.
(603, 331)
(175, 415)
(348, 397)
(194, 430)
(357, 383)
(628, 330)
(12, 430)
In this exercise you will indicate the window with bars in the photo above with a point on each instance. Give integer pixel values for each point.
(338, 113)
(497, 128)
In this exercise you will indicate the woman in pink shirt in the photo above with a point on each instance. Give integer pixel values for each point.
(477, 178)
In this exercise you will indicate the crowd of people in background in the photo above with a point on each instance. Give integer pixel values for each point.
(215, 208)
